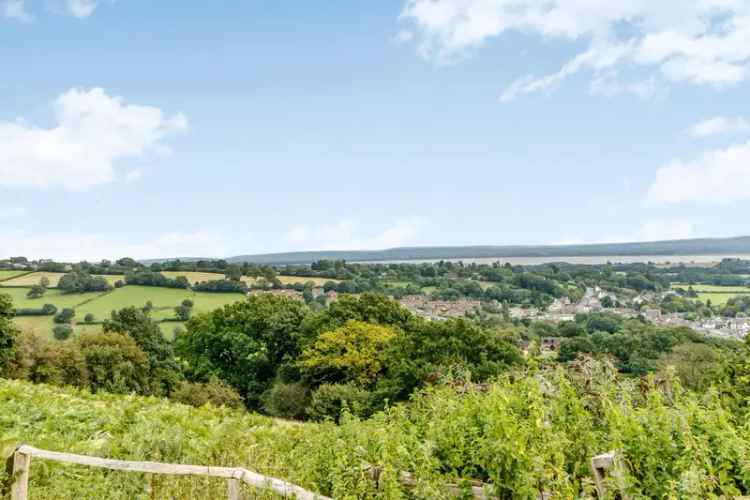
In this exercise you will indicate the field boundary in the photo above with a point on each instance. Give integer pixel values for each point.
(16, 276)
(19, 465)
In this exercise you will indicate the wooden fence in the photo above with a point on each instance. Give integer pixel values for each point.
(20, 463)
(603, 466)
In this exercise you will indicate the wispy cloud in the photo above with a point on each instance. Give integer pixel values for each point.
(718, 176)
(700, 43)
(720, 125)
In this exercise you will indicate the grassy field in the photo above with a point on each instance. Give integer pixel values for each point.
(163, 299)
(713, 288)
(718, 299)
(7, 274)
(102, 304)
(291, 280)
(194, 277)
(54, 279)
(53, 297)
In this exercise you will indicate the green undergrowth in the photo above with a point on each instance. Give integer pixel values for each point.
(526, 433)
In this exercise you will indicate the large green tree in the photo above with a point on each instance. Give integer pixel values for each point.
(8, 333)
(165, 373)
(244, 344)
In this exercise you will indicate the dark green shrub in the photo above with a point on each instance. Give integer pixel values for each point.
(329, 401)
(286, 400)
(63, 332)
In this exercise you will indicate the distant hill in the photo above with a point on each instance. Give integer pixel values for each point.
(704, 246)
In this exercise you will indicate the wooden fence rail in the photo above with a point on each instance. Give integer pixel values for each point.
(20, 463)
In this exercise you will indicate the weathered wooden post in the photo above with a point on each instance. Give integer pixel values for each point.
(18, 470)
(608, 464)
(234, 489)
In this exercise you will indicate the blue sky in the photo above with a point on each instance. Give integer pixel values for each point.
(153, 129)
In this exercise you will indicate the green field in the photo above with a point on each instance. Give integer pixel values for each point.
(719, 299)
(54, 297)
(102, 304)
(713, 288)
(7, 274)
(163, 299)
(54, 278)
(291, 280)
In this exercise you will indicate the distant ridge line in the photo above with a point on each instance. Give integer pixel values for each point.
(699, 246)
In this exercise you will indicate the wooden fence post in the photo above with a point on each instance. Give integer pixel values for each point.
(19, 475)
(234, 489)
(608, 464)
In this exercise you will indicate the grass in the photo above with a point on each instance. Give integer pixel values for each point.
(102, 304)
(8, 274)
(194, 277)
(163, 299)
(718, 299)
(713, 288)
(54, 278)
(54, 297)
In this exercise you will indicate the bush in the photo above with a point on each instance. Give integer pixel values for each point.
(119, 284)
(215, 392)
(286, 400)
(36, 291)
(89, 318)
(65, 316)
(329, 401)
(115, 363)
(46, 310)
(221, 286)
(42, 361)
(79, 282)
(63, 332)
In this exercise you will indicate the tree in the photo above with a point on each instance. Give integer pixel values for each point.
(8, 333)
(428, 349)
(183, 312)
(243, 344)
(44, 282)
(115, 363)
(697, 365)
(351, 353)
(36, 292)
(89, 318)
(65, 316)
(164, 371)
(81, 282)
(63, 332)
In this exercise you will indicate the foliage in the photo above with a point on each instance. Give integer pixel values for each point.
(115, 363)
(214, 392)
(286, 400)
(65, 316)
(221, 286)
(62, 332)
(150, 278)
(36, 292)
(8, 332)
(331, 401)
(243, 344)
(353, 352)
(46, 310)
(165, 373)
(80, 282)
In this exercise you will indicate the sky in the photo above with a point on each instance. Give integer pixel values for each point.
(162, 129)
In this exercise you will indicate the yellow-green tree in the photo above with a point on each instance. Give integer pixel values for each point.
(353, 352)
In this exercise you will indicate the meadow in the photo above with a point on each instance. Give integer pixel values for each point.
(6, 275)
(30, 279)
(101, 305)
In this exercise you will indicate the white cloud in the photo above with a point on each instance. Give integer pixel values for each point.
(93, 134)
(7, 213)
(133, 175)
(720, 125)
(720, 176)
(346, 235)
(704, 42)
(82, 8)
(15, 9)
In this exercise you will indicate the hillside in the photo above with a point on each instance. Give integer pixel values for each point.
(524, 434)
(707, 246)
